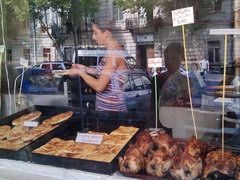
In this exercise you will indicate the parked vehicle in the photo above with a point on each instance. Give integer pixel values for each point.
(93, 57)
(215, 76)
(54, 65)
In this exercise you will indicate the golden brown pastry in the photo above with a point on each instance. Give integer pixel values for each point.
(28, 117)
(4, 131)
(58, 118)
(196, 147)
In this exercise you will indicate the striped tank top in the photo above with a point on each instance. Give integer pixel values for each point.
(113, 97)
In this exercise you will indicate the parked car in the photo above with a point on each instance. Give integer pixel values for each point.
(54, 65)
(215, 76)
(93, 57)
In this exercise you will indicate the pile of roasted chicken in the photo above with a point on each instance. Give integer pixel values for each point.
(158, 154)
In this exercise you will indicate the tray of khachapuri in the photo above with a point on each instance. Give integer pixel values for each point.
(25, 130)
(65, 151)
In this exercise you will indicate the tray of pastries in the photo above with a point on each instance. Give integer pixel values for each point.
(65, 151)
(159, 156)
(21, 132)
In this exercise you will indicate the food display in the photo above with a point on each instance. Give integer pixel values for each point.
(105, 152)
(4, 131)
(158, 154)
(18, 136)
(26, 117)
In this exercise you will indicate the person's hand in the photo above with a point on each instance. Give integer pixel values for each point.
(76, 69)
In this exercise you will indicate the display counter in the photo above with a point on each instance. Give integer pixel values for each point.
(15, 170)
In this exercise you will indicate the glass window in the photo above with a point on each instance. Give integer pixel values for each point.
(47, 54)
(46, 66)
(9, 55)
(88, 61)
(117, 12)
(57, 67)
(214, 51)
(26, 54)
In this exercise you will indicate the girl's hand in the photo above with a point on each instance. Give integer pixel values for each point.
(76, 69)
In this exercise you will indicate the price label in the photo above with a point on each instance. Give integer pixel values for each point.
(224, 31)
(30, 124)
(182, 16)
(89, 138)
(2, 48)
(24, 62)
(155, 62)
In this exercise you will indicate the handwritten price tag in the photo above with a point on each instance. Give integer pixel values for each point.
(155, 62)
(24, 62)
(2, 48)
(182, 16)
(89, 138)
(30, 124)
(224, 31)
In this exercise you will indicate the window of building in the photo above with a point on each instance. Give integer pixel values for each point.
(216, 5)
(26, 54)
(47, 54)
(117, 13)
(214, 51)
(9, 55)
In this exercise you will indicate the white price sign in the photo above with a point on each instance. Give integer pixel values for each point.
(89, 138)
(224, 31)
(30, 124)
(155, 62)
(24, 62)
(182, 16)
(2, 48)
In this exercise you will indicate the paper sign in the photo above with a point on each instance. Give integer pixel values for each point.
(155, 62)
(89, 138)
(30, 124)
(224, 31)
(182, 16)
(24, 62)
(2, 48)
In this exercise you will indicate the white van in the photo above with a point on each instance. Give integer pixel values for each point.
(91, 58)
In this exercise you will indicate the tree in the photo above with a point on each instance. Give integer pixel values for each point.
(36, 10)
(165, 6)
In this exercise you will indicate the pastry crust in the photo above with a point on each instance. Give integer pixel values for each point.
(4, 131)
(125, 130)
(28, 117)
(17, 132)
(36, 132)
(58, 118)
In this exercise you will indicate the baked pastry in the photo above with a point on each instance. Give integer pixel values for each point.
(4, 131)
(125, 130)
(28, 117)
(159, 164)
(16, 132)
(132, 161)
(113, 139)
(36, 132)
(58, 118)
(237, 172)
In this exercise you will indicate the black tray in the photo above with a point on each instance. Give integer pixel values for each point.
(97, 122)
(24, 153)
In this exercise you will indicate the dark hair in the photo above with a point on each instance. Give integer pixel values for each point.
(174, 54)
(102, 24)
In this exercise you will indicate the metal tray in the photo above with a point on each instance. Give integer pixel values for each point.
(102, 124)
(24, 153)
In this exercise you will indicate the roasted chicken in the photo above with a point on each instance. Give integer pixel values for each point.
(159, 163)
(132, 161)
(144, 142)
